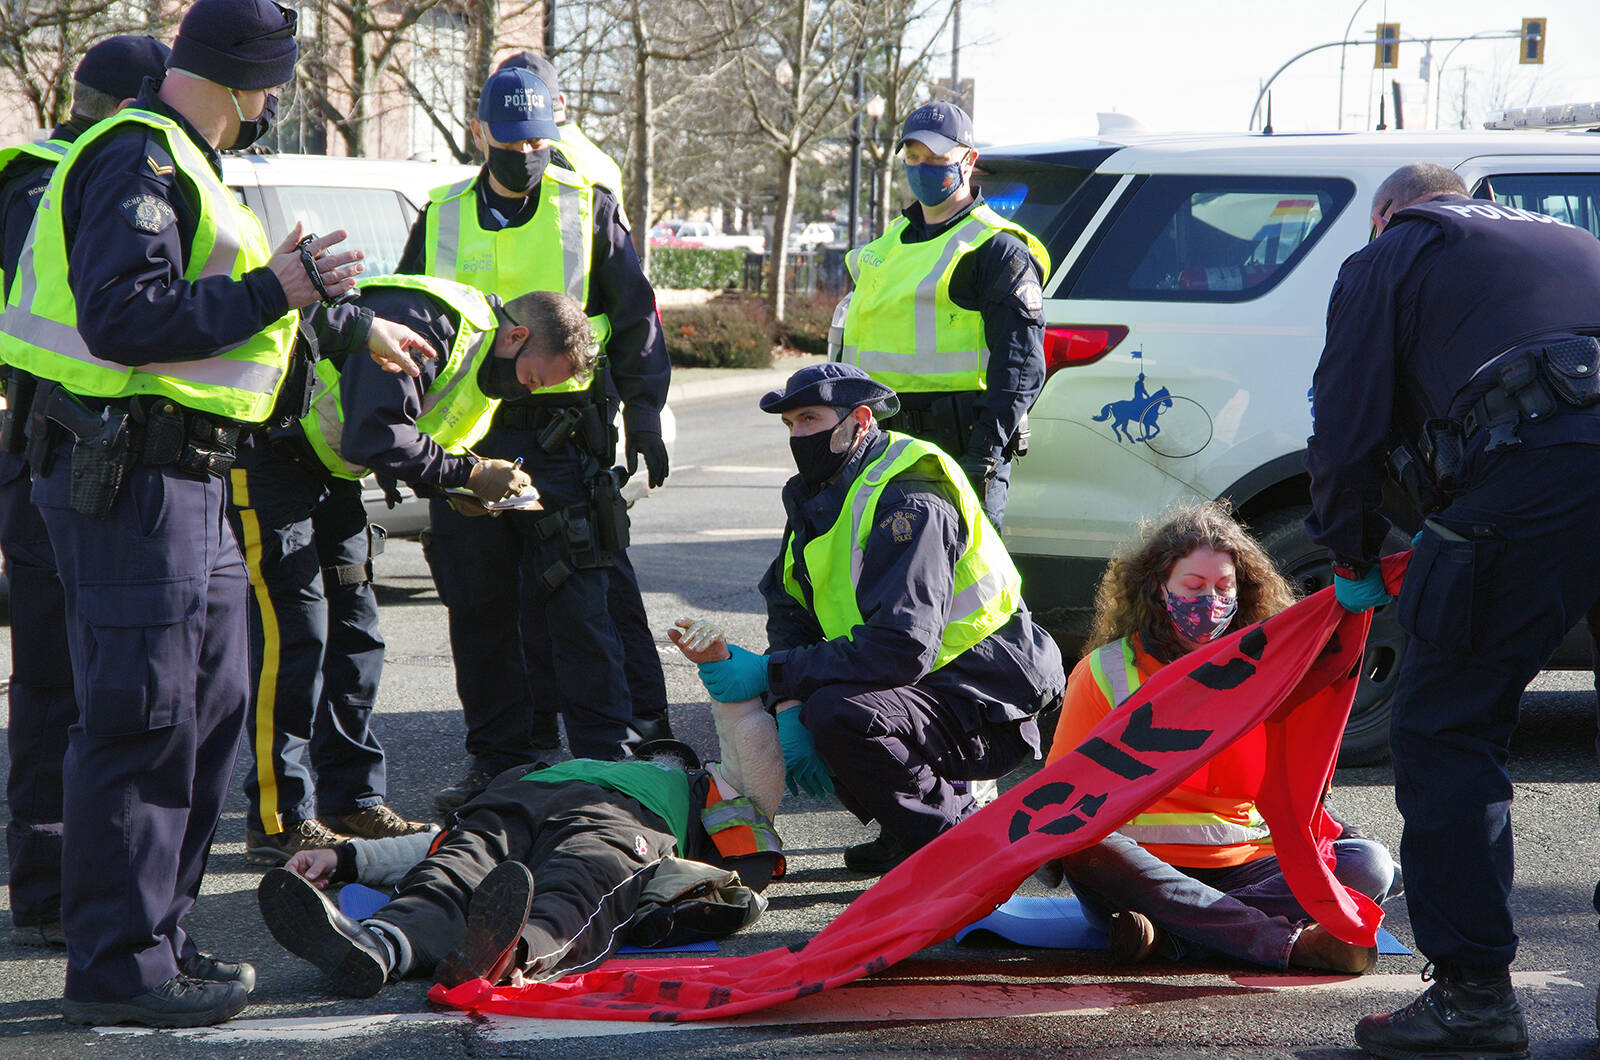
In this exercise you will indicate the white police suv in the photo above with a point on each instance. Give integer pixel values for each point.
(1185, 315)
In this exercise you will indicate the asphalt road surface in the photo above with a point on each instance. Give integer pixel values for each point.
(700, 545)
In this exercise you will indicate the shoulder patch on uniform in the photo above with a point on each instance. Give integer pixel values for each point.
(158, 168)
(1029, 296)
(900, 523)
(146, 213)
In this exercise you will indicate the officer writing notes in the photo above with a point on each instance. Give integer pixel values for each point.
(647, 684)
(1461, 341)
(40, 703)
(522, 225)
(901, 657)
(160, 324)
(948, 310)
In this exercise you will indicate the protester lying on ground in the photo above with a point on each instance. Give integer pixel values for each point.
(1195, 873)
(549, 870)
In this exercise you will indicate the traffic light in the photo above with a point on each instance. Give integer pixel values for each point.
(1532, 50)
(1388, 53)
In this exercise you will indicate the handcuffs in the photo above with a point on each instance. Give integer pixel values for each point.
(309, 260)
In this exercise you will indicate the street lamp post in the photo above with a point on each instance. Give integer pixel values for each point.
(875, 108)
(854, 212)
(1347, 28)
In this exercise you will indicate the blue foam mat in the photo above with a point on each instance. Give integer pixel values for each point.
(1056, 922)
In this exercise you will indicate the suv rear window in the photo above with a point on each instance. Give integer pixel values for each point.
(1570, 197)
(378, 219)
(1053, 200)
(1208, 238)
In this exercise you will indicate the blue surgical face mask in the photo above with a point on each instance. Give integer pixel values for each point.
(932, 183)
(1203, 617)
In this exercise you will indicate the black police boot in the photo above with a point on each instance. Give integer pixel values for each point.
(470, 786)
(495, 919)
(1467, 1012)
(352, 956)
(178, 1002)
(652, 726)
(204, 966)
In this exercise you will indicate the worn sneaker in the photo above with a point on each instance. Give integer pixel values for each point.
(1316, 948)
(275, 849)
(875, 857)
(307, 924)
(470, 786)
(374, 822)
(495, 919)
(178, 1002)
(46, 934)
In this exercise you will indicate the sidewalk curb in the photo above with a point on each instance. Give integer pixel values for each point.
(690, 385)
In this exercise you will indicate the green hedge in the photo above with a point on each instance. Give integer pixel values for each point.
(727, 332)
(806, 321)
(695, 267)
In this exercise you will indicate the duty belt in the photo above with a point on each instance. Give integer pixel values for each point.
(529, 417)
(159, 430)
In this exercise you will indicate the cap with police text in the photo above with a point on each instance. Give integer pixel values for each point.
(516, 104)
(118, 65)
(939, 126)
(831, 383)
(243, 44)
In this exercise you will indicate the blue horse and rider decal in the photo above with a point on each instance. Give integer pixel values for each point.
(1142, 411)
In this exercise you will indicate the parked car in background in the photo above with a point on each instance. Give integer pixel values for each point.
(703, 234)
(814, 234)
(1184, 318)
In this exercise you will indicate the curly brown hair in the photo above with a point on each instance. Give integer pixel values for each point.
(1129, 599)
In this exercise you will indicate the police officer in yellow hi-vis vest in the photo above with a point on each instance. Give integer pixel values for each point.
(901, 658)
(161, 326)
(948, 309)
(40, 703)
(319, 772)
(525, 225)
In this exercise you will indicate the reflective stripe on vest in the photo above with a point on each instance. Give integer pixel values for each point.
(902, 327)
(1116, 674)
(47, 151)
(739, 829)
(552, 252)
(988, 589)
(240, 381)
(455, 412)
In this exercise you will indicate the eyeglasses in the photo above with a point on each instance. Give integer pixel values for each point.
(291, 20)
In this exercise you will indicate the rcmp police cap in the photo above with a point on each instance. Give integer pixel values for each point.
(243, 44)
(831, 383)
(939, 126)
(517, 104)
(118, 65)
(537, 65)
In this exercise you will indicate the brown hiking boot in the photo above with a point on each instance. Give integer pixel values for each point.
(374, 822)
(1133, 938)
(1317, 948)
(260, 848)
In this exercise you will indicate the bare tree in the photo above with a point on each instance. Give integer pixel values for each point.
(41, 44)
(897, 69)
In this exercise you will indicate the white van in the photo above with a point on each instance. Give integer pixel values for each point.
(1184, 317)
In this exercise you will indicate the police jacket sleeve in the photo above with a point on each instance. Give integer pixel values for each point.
(414, 256)
(618, 288)
(1005, 286)
(789, 625)
(1353, 402)
(381, 408)
(905, 592)
(127, 229)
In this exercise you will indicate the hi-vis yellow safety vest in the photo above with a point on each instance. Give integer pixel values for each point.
(455, 410)
(901, 326)
(593, 164)
(240, 382)
(552, 252)
(1176, 819)
(988, 589)
(49, 151)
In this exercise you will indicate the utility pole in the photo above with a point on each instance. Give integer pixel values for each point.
(855, 158)
(955, 50)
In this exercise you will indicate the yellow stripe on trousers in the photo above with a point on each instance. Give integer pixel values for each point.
(266, 697)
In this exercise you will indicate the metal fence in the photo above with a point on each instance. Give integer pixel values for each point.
(818, 270)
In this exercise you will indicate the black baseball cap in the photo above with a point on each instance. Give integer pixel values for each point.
(516, 104)
(118, 65)
(939, 126)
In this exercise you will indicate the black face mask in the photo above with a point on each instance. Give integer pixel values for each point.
(498, 378)
(517, 171)
(253, 129)
(818, 457)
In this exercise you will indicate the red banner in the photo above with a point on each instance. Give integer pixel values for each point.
(1294, 674)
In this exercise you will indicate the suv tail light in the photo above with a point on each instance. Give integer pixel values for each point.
(1072, 345)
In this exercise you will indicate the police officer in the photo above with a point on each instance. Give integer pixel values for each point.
(40, 703)
(647, 684)
(901, 656)
(1459, 338)
(521, 225)
(948, 310)
(319, 771)
(160, 324)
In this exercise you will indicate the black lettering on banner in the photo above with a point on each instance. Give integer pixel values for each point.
(1254, 643)
(807, 989)
(668, 990)
(658, 1016)
(718, 996)
(1055, 793)
(1234, 672)
(1111, 757)
(1141, 733)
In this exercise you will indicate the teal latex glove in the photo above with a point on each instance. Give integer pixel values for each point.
(741, 676)
(803, 768)
(1361, 594)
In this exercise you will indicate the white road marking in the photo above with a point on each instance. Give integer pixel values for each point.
(742, 531)
(314, 1028)
(1408, 983)
(746, 469)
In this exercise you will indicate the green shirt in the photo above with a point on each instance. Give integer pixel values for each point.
(658, 788)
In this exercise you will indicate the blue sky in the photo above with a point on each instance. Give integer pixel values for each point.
(1045, 67)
